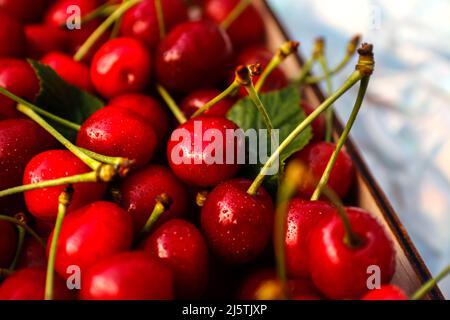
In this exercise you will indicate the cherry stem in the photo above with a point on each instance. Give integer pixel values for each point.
(329, 87)
(235, 13)
(227, 92)
(95, 36)
(160, 16)
(64, 122)
(201, 197)
(430, 284)
(20, 239)
(64, 201)
(176, 111)
(100, 11)
(23, 224)
(163, 203)
(343, 138)
(123, 164)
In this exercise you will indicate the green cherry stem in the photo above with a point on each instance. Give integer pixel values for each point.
(235, 13)
(19, 222)
(163, 203)
(422, 292)
(21, 232)
(103, 10)
(233, 87)
(123, 164)
(176, 111)
(306, 68)
(64, 201)
(160, 17)
(329, 89)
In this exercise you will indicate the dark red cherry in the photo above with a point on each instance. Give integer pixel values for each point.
(32, 255)
(181, 246)
(127, 276)
(18, 77)
(149, 109)
(54, 164)
(199, 98)
(141, 21)
(121, 65)
(199, 149)
(302, 216)
(316, 156)
(386, 292)
(118, 132)
(29, 284)
(12, 37)
(44, 227)
(248, 29)
(237, 226)
(24, 10)
(8, 243)
(192, 56)
(340, 271)
(90, 234)
(20, 140)
(42, 39)
(318, 125)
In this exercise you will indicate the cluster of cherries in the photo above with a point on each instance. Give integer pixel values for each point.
(218, 247)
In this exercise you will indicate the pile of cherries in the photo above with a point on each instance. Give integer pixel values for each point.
(211, 238)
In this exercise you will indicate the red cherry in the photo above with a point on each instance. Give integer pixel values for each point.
(247, 29)
(33, 255)
(29, 284)
(71, 71)
(237, 225)
(42, 39)
(192, 56)
(140, 190)
(302, 217)
(118, 132)
(318, 125)
(149, 109)
(20, 140)
(24, 10)
(141, 21)
(12, 37)
(316, 157)
(195, 159)
(127, 276)
(54, 164)
(121, 66)
(182, 247)
(91, 234)
(8, 243)
(386, 292)
(199, 98)
(18, 77)
(43, 227)
(340, 271)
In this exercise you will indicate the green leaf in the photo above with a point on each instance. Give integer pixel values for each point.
(62, 99)
(284, 110)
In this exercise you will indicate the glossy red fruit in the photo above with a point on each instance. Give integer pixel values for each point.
(8, 243)
(140, 190)
(181, 246)
(32, 255)
(237, 226)
(12, 37)
(302, 216)
(24, 10)
(54, 164)
(340, 271)
(192, 56)
(29, 284)
(147, 108)
(386, 292)
(141, 21)
(118, 132)
(199, 98)
(18, 77)
(90, 234)
(20, 140)
(248, 29)
(128, 276)
(318, 126)
(198, 150)
(120, 66)
(316, 156)
(42, 39)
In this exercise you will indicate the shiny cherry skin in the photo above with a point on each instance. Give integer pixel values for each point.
(20, 141)
(316, 156)
(118, 132)
(54, 164)
(196, 160)
(199, 98)
(318, 125)
(149, 109)
(8, 243)
(120, 66)
(340, 271)
(140, 190)
(12, 37)
(33, 254)
(29, 284)
(71, 71)
(18, 77)
(181, 246)
(141, 21)
(237, 226)
(130, 276)
(24, 10)
(248, 29)
(90, 234)
(386, 292)
(302, 216)
(192, 56)
(43, 39)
